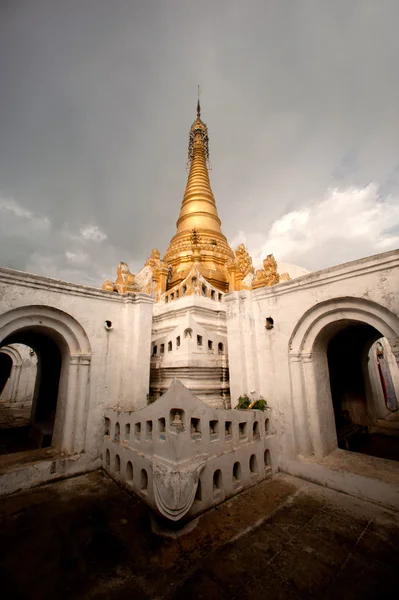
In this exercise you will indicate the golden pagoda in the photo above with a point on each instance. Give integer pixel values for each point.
(199, 239)
(199, 247)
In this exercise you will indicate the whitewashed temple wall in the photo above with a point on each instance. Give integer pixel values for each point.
(189, 342)
(283, 363)
(105, 343)
(182, 456)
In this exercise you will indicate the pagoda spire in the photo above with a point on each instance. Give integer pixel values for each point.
(198, 105)
(198, 212)
(198, 209)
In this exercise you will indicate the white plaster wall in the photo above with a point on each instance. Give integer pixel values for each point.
(259, 359)
(200, 368)
(114, 369)
(148, 439)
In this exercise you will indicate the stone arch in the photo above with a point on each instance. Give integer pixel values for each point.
(13, 353)
(69, 336)
(65, 328)
(11, 359)
(11, 392)
(313, 418)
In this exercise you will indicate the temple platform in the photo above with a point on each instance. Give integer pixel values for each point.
(85, 537)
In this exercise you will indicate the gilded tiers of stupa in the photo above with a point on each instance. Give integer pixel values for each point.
(198, 243)
(199, 238)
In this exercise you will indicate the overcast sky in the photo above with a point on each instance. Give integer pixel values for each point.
(97, 98)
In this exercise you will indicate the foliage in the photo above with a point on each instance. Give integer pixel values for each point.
(245, 403)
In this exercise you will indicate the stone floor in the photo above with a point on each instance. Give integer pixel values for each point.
(86, 538)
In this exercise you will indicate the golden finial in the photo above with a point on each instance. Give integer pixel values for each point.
(198, 135)
(198, 105)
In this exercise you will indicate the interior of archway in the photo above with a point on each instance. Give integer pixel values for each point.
(366, 416)
(6, 364)
(27, 417)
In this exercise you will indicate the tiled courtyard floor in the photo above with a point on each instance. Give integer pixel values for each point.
(86, 538)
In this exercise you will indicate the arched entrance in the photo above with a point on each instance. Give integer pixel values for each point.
(58, 414)
(6, 364)
(328, 365)
(354, 398)
(16, 398)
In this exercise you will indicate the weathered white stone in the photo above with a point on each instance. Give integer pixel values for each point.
(287, 363)
(107, 343)
(182, 456)
(189, 342)
(104, 339)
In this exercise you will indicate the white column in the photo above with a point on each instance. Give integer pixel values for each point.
(236, 349)
(81, 407)
(313, 415)
(70, 399)
(319, 405)
(16, 377)
(299, 408)
(135, 373)
(243, 356)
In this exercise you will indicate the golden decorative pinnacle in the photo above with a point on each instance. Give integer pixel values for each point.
(198, 212)
(198, 105)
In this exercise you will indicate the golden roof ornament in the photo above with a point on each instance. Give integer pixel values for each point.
(268, 275)
(239, 268)
(124, 282)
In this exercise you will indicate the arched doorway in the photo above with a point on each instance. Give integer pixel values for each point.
(331, 342)
(59, 405)
(29, 425)
(6, 364)
(16, 397)
(354, 398)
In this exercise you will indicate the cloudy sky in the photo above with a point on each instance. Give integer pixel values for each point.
(97, 98)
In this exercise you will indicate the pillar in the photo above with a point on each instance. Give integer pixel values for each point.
(299, 408)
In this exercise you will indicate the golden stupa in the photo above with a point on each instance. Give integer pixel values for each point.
(199, 238)
(199, 245)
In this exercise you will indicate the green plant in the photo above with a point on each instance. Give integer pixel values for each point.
(260, 404)
(245, 403)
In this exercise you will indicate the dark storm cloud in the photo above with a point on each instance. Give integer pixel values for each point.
(96, 101)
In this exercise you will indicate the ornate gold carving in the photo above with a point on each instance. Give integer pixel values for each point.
(108, 285)
(285, 277)
(239, 268)
(124, 281)
(154, 260)
(244, 261)
(159, 272)
(193, 284)
(268, 275)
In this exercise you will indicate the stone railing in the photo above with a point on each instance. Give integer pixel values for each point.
(182, 457)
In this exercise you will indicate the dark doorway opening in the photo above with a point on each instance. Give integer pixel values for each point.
(36, 430)
(352, 394)
(5, 370)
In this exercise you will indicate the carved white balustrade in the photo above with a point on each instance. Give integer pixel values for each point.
(182, 456)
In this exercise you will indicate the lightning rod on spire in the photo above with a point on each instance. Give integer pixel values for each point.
(198, 104)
